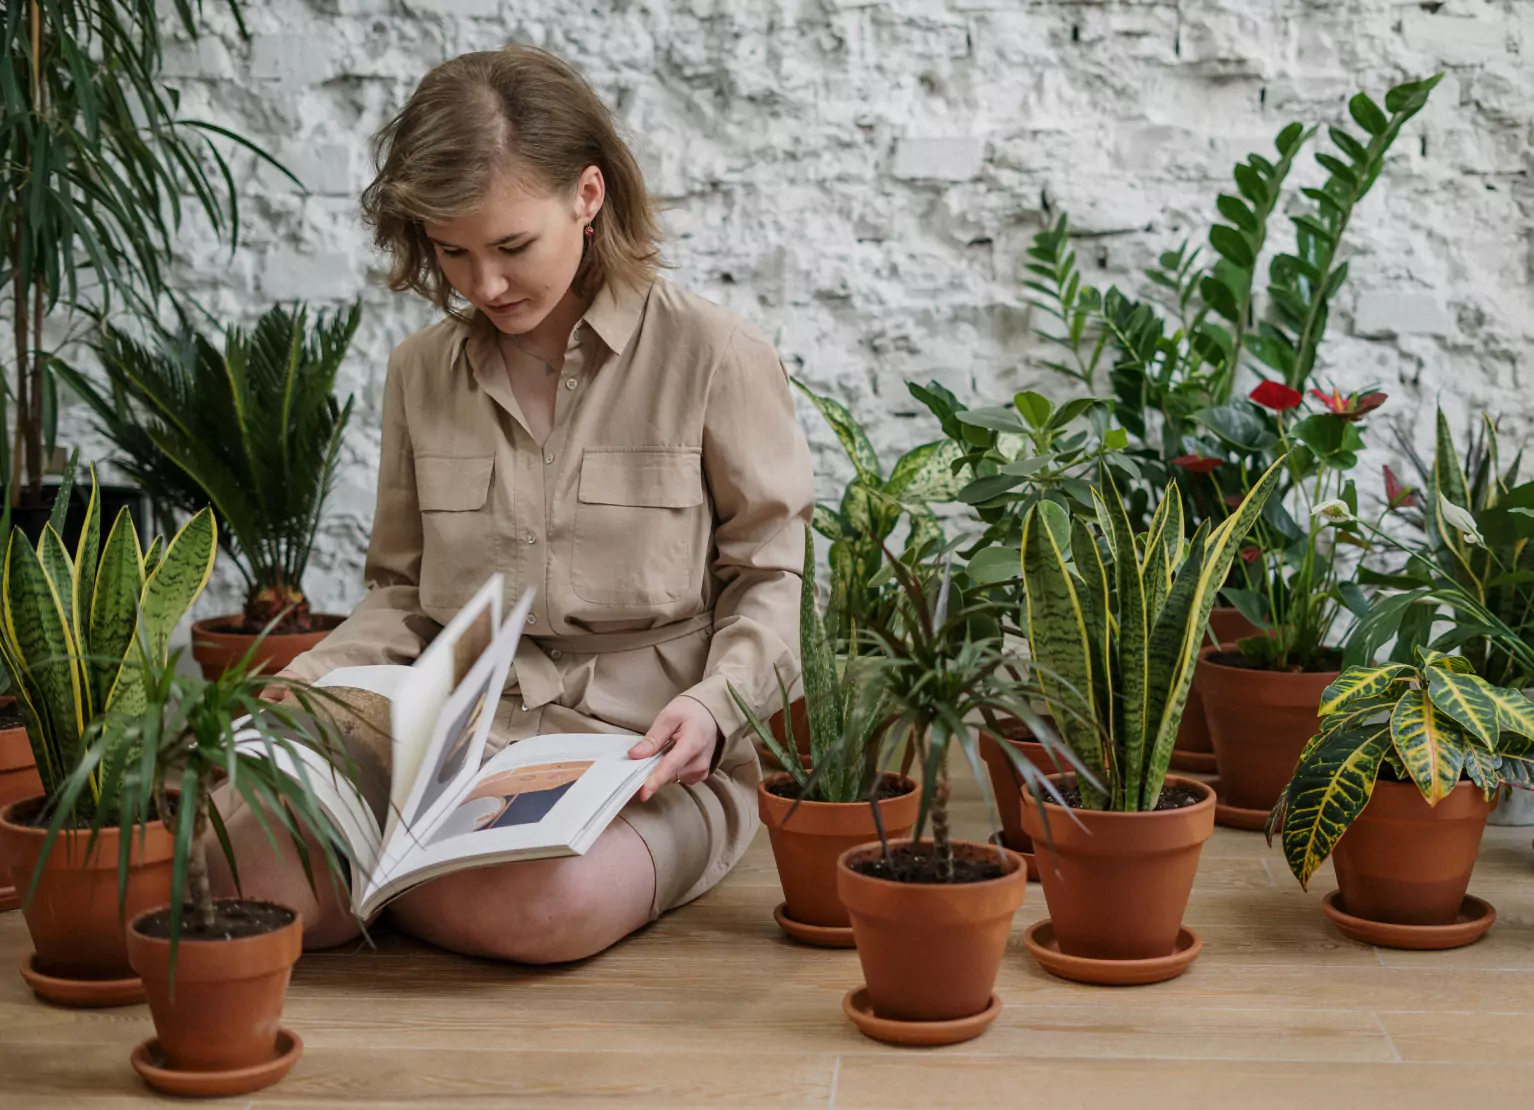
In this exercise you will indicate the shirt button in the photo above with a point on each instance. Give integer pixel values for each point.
(555, 653)
(531, 538)
(524, 707)
(531, 619)
(569, 383)
(549, 459)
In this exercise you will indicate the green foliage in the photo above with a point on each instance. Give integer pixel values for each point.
(254, 429)
(71, 622)
(98, 167)
(1115, 621)
(1435, 720)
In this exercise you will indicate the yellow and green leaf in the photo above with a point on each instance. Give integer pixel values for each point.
(1134, 640)
(1467, 698)
(114, 604)
(39, 635)
(1360, 682)
(1429, 743)
(1483, 768)
(1515, 712)
(1330, 787)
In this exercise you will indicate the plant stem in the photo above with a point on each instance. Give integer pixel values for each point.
(941, 847)
(198, 888)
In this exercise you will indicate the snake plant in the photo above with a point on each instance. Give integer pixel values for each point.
(74, 625)
(1430, 723)
(1115, 622)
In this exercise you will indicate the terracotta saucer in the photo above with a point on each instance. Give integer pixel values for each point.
(1203, 762)
(855, 1005)
(83, 993)
(9, 898)
(1042, 946)
(149, 1062)
(821, 936)
(1029, 860)
(1475, 917)
(1234, 817)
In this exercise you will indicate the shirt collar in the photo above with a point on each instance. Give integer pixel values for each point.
(614, 315)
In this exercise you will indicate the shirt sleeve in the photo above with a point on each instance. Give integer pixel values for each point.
(387, 626)
(757, 465)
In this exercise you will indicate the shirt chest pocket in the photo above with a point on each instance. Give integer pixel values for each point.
(457, 533)
(641, 525)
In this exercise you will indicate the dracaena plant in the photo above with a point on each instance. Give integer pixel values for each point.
(253, 429)
(73, 622)
(1432, 722)
(871, 507)
(1115, 621)
(843, 711)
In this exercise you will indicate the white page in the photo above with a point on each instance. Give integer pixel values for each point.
(381, 678)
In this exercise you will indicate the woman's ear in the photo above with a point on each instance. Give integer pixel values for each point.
(590, 194)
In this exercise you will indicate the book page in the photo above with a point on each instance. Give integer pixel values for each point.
(539, 798)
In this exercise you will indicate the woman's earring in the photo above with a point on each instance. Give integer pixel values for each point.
(590, 232)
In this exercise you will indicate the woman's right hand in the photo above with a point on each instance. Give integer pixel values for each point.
(275, 693)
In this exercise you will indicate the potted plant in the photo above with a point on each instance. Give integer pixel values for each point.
(1395, 787)
(215, 971)
(931, 916)
(70, 622)
(1007, 785)
(812, 817)
(1115, 622)
(18, 780)
(254, 430)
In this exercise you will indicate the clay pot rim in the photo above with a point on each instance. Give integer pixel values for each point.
(1014, 863)
(784, 776)
(39, 833)
(204, 627)
(1207, 651)
(1112, 816)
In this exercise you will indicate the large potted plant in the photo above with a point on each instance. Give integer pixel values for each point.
(813, 816)
(215, 971)
(1115, 623)
(1395, 788)
(254, 430)
(931, 915)
(70, 620)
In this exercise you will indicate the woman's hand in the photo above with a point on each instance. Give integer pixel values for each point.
(278, 693)
(691, 734)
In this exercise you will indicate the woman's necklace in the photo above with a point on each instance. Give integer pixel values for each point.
(548, 363)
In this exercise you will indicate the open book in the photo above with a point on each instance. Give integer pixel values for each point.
(425, 802)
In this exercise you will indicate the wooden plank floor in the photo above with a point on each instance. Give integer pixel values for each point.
(711, 1006)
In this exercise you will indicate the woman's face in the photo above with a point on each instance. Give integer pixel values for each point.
(515, 258)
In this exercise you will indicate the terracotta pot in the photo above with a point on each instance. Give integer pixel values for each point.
(216, 648)
(18, 780)
(73, 916)
(1117, 883)
(1007, 784)
(1194, 750)
(223, 1014)
(1258, 720)
(1407, 863)
(931, 951)
(807, 845)
(801, 723)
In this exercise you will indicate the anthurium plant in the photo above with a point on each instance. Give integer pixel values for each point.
(1432, 722)
(1115, 622)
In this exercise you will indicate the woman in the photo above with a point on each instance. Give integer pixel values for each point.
(626, 449)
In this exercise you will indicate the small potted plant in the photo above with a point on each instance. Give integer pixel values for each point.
(215, 971)
(813, 816)
(70, 622)
(18, 778)
(1115, 622)
(254, 431)
(1395, 787)
(931, 916)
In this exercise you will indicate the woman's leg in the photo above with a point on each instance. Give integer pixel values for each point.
(540, 911)
(279, 876)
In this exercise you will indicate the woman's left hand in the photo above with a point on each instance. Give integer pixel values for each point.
(692, 734)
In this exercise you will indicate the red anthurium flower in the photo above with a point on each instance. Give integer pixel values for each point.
(1251, 553)
(1351, 407)
(1197, 464)
(1396, 493)
(1276, 396)
(1234, 499)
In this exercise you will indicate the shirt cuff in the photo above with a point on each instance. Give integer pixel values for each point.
(713, 693)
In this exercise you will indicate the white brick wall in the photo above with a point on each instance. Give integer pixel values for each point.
(861, 177)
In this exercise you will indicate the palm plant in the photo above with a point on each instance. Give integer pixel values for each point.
(98, 165)
(73, 623)
(1115, 622)
(255, 429)
(1429, 722)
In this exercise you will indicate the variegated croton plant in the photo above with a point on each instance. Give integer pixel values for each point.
(1431, 723)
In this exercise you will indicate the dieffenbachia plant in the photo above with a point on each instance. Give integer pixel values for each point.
(1430, 723)
(1115, 622)
(74, 625)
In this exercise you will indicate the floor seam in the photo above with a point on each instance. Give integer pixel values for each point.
(836, 1074)
(1389, 1040)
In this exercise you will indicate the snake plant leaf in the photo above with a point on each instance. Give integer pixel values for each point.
(36, 627)
(39, 731)
(87, 552)
(1156, 575)
(1483, 768)
(1096, 595)
(853, 438)
(1057, 634)
(153, 556)
(1357, 683)
(1429, 744)
(114, 604)
(168, 594)
(1134, 638)
(1467, 699)
(1329, 790)
(823, 700)
(60, 569)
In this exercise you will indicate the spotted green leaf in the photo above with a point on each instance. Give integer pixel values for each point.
(926, 473)
(853, 439)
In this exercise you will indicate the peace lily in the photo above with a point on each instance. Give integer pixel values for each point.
(1460, 520)
(1334, 511)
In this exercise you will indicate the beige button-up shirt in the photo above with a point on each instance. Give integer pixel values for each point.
(662, 525)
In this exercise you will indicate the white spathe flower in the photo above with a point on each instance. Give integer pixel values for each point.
(1333, 512)
(1460, 521)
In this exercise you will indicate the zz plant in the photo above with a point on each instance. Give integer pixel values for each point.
(1115, 621)
(1431, 722)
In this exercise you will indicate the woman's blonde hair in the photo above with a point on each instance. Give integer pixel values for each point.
(517, 109)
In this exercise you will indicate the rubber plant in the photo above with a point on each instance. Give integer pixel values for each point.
(253, 429)
(1431, 723)
(1115, 621)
